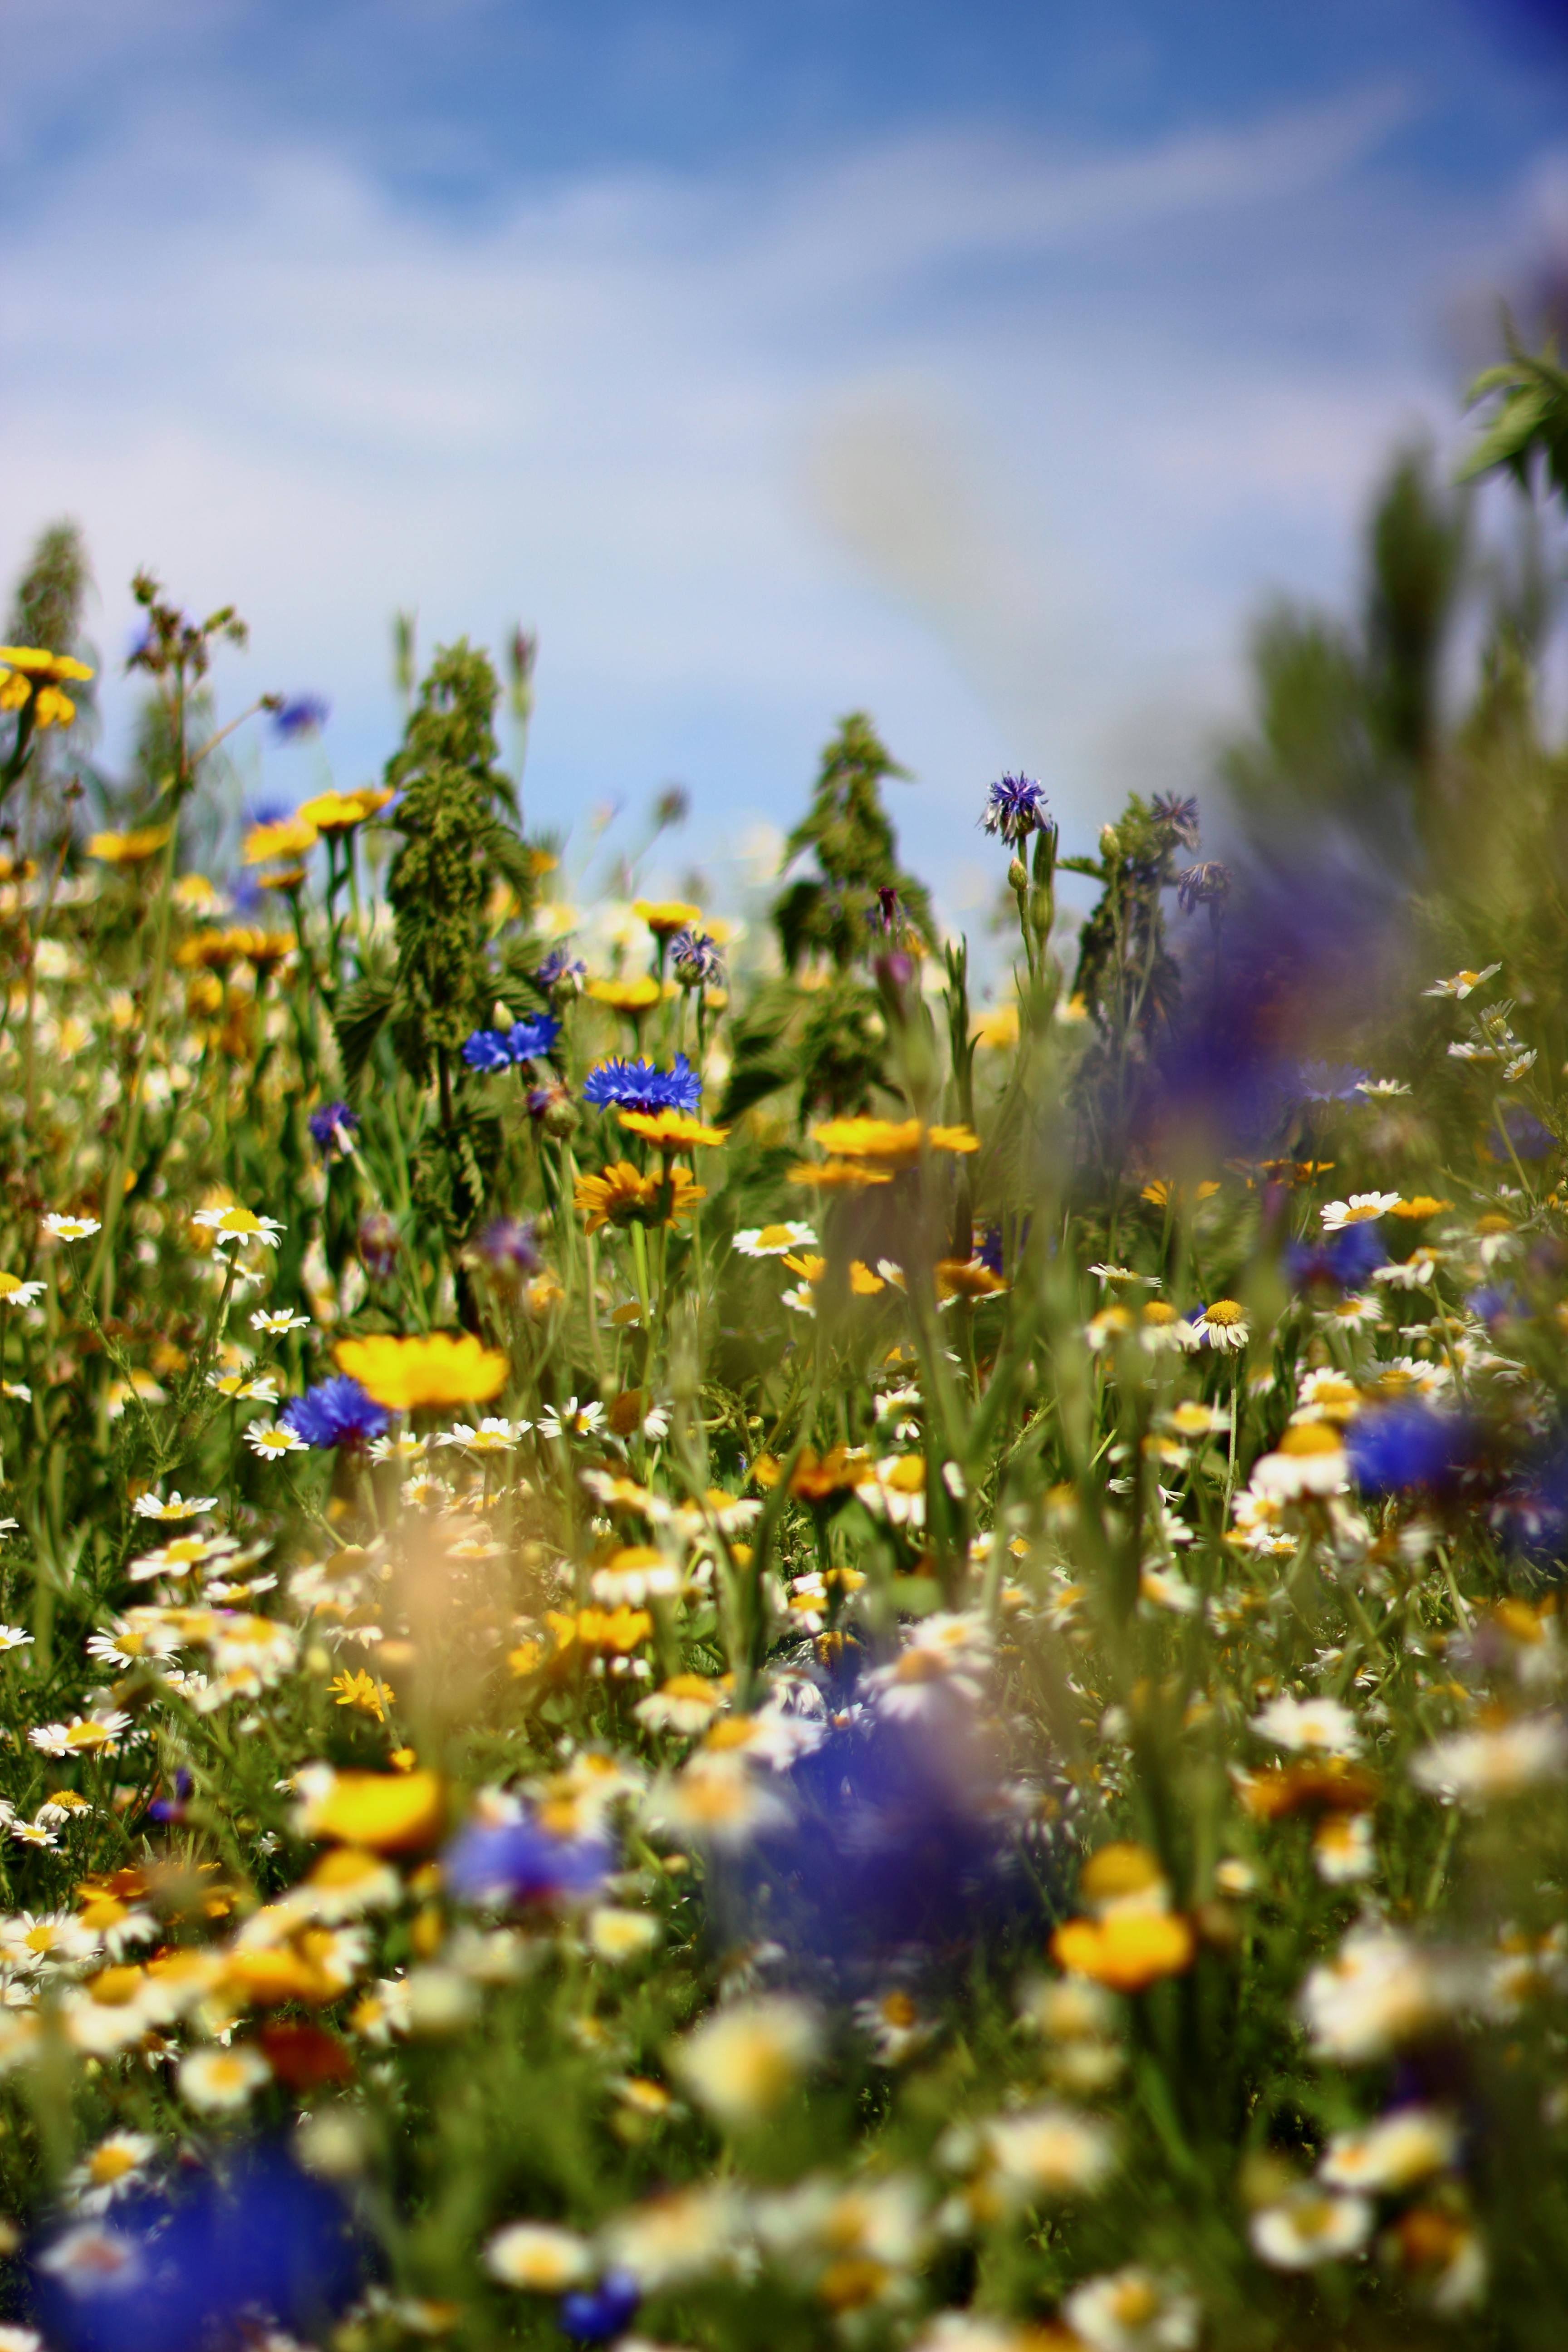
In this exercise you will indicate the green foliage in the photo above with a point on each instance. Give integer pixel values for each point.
(1529, 426)
(1346, 741)
(833, 912)
(1025, 1706)
(456, 846)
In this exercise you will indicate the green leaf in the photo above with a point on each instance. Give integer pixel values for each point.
(362, 1011)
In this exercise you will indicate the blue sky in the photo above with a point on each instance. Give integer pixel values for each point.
(980, 364)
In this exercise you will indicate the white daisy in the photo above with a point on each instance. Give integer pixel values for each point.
(773, 1241)
(176, 1506)
(1361, 1208)
(237, 1224)
(69, 1229)
(276, 1438)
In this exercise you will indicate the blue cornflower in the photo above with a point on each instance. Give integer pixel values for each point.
(1521, 1128)
(1497, 1302)
(1178, 816)
(507, 1245)
(1014, 808)
(332, 1128)
(306, 714)
(487, 1049)
(694, 958)
(597, 2314)
(498, 1049)
(518, 1861)
(989, 1251)
(334, 1413)
(535, 1036)
(1408, 1445)
(1327, 1081)
(219, 2258)
(1347, 1258)
(559, 964)
(621, 1085)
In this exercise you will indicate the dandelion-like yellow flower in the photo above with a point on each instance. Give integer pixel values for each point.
(132, 848)
(1126, 1949)
(889, 1143)
(616, 1631)
(997, 1028)
(362, 1690)
(672, 1129)
(388, 1812)
(958, 1278)
(434, 1368)
(340, 811)
(632, 996)
(665, 917)
(839, 1175)
(29, 670)
(291, 836)
(1162, 1194)
(622, 1195)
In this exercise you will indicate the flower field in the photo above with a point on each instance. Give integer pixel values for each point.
(709, 1643)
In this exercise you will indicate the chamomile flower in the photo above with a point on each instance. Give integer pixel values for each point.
(276, 1438)
(744, 2060)
(1393, 2153)
(222, 2082)
(1480, 1768)
(1309, 2227)
(493, 1435)
(1462, 982)
(118, 2163)
(275, 1320)
(14, 1292)
(1132, 2310)
(234, 1223)
(1361, 1208)
(69, 1229)
(1318, 1726)
(12, 1637)
(571, 1420)
(1222, 1325)
(538, 2256)
(173, 1506)
(774, 1241)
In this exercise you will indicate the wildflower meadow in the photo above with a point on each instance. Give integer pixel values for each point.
(718, 1635)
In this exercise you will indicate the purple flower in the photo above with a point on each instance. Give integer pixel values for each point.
(695, 958)
(306, 714)
(1518, 1134)
(378, 1244)
(1178, 816)
(989, 1251)
(219, 2258)
(507, 1245)
(1410, 1444)
(334, 1413)
(1327, 1081)
(639, 1086)
(535, 1036)
(597, 2314)
(498, 1049)
(561, 965)
(486, 1049)
(1015, 807)
(332, 1128)
(1347, 1258)
(518, 1861)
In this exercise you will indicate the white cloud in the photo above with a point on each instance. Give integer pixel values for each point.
(749, 454)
